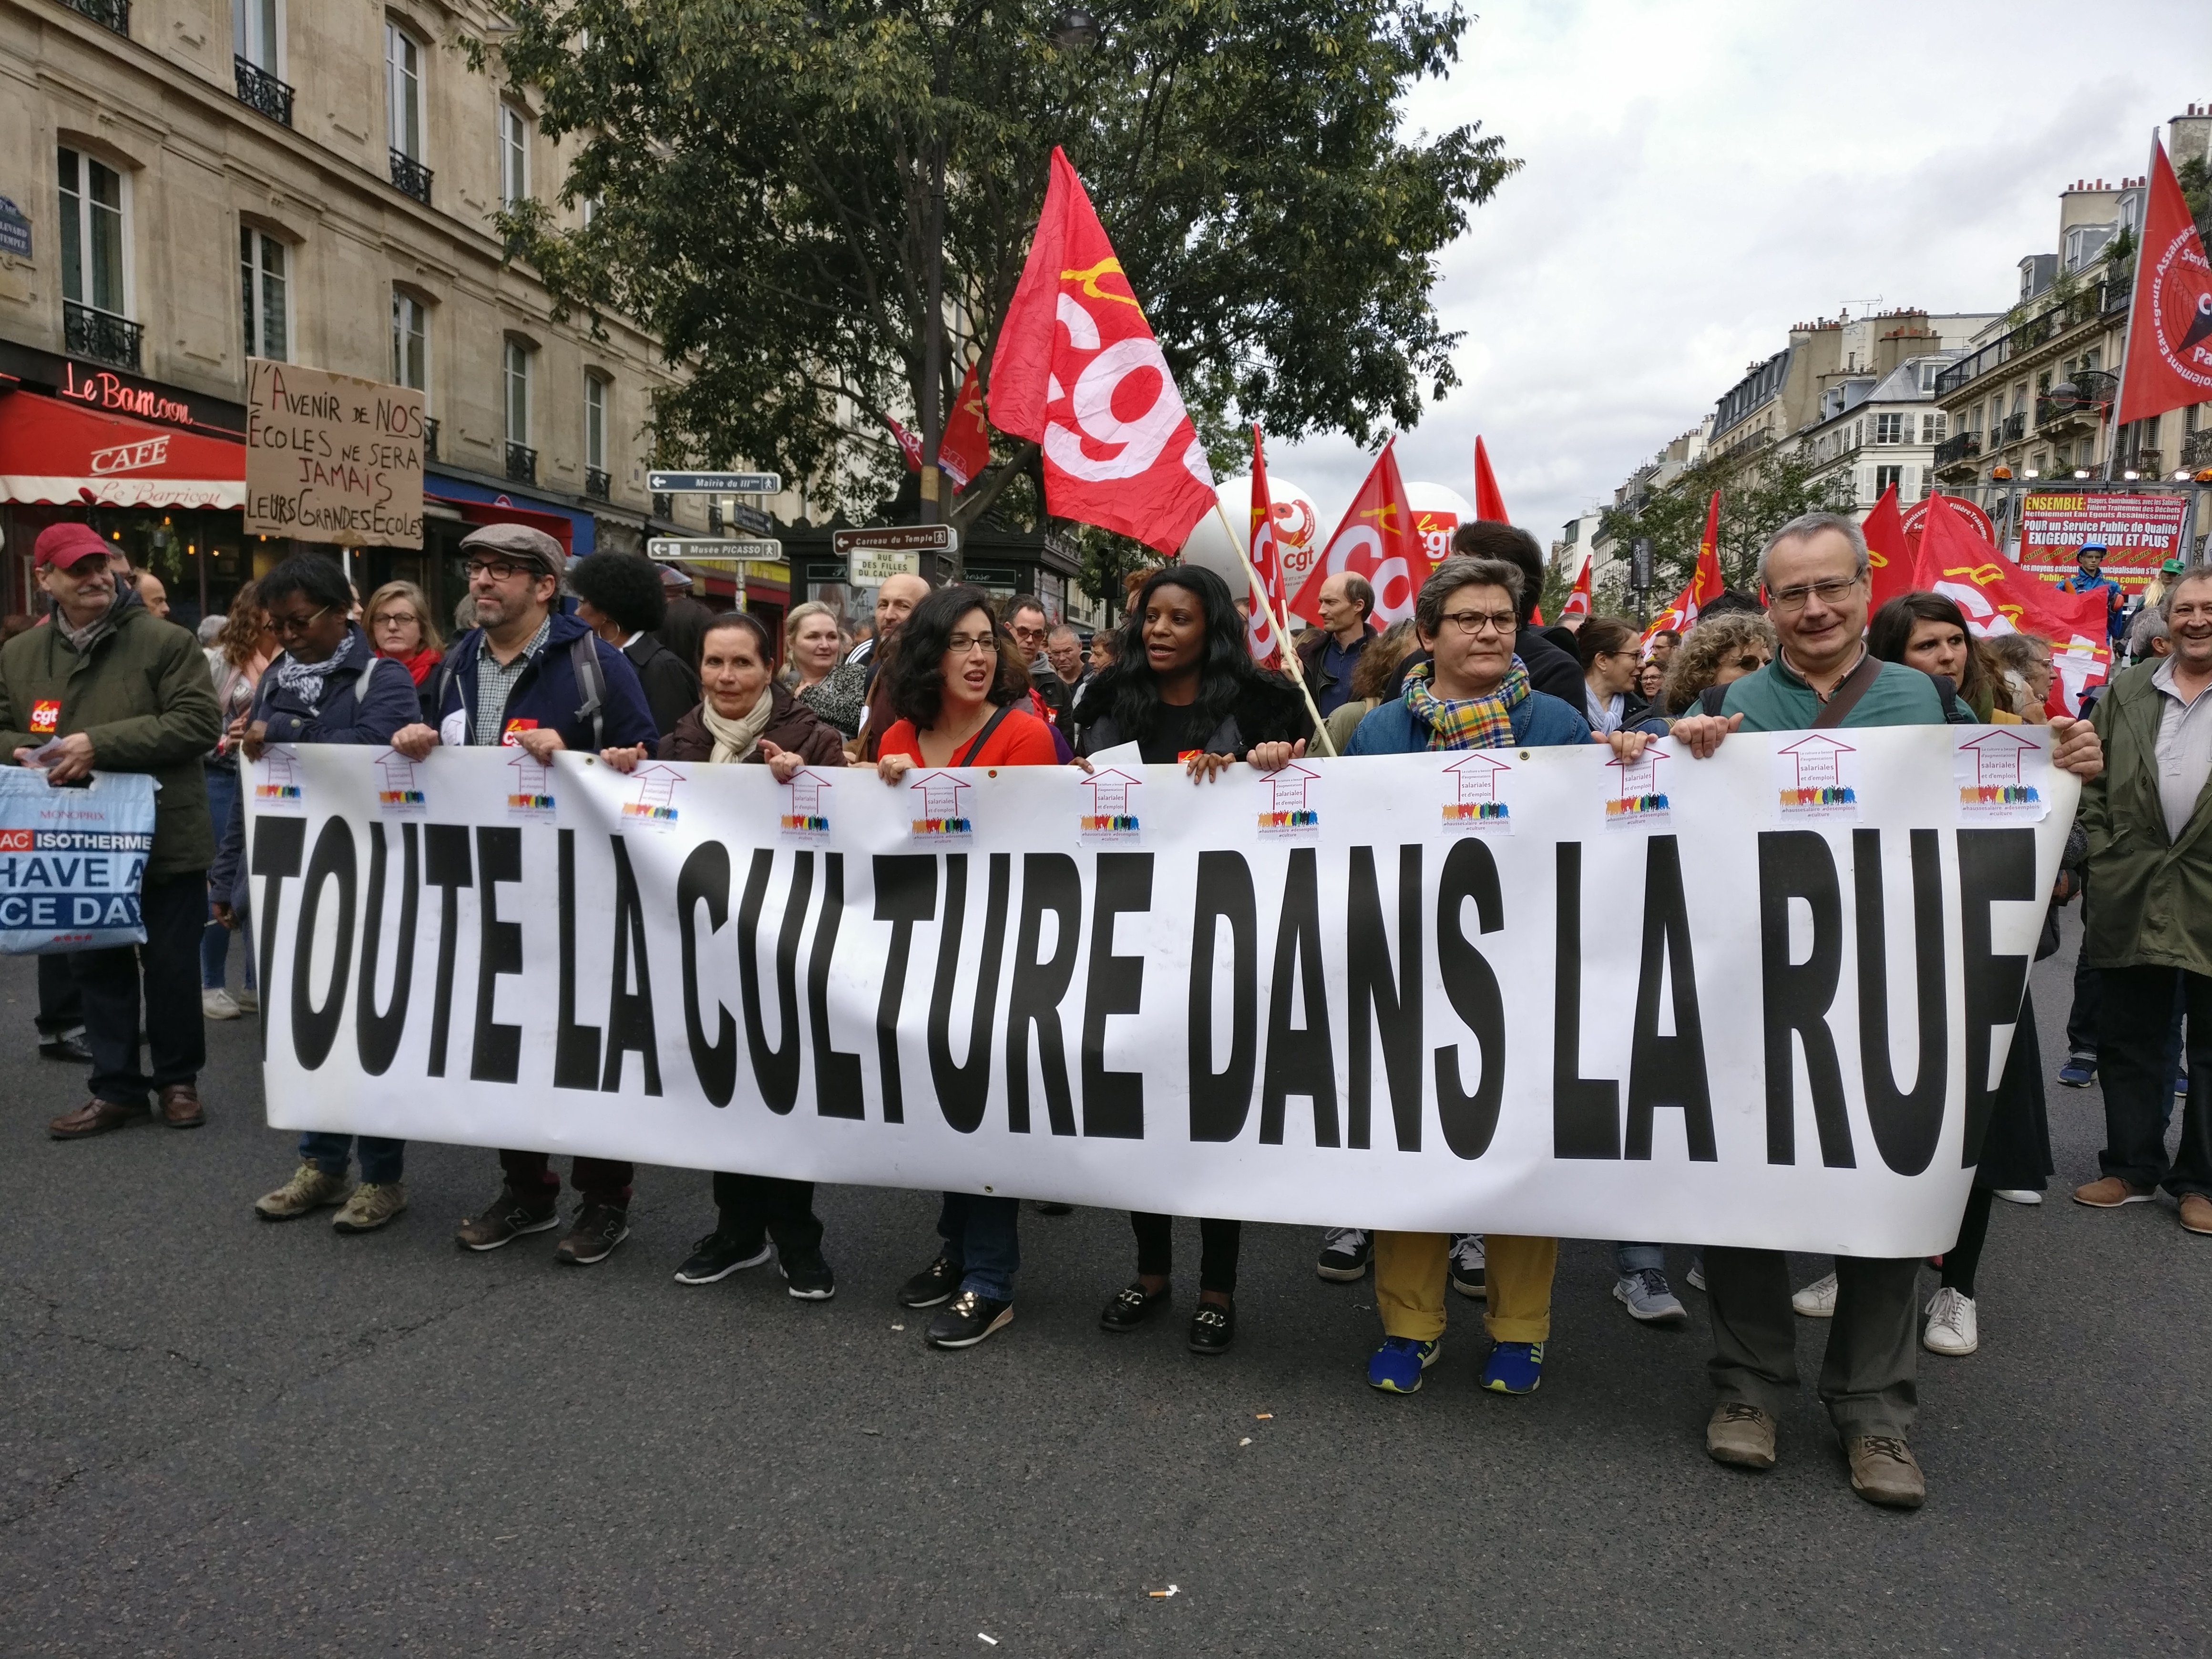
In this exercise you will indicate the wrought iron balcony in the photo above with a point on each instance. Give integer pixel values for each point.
(430, 438)
(521, 463)
(597, 485)
(2015, 428)
(257, 89)
(113, 14)
(2197, 450)
(1959, 447)
(2056, 416)
(101, 335)
(410, 176)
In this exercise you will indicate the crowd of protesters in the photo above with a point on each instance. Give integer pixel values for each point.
(605, 655)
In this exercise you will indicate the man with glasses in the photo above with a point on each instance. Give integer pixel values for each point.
(108, 684)
(1814, 571)
(528, 677)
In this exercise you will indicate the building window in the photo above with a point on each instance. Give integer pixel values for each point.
(410, 341)
(403, 91)
(92, 235)
(261, 278)
(514, 156)
(1931, 429)
(1858, 434)
(255, 34)
(1887, 476)
(595, 422)
(1889, 428)
(517, 393)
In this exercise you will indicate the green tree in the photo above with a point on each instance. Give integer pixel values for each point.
(771, 180)
(1757, 499)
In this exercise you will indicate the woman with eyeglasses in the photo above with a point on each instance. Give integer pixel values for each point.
(400, 628)
(237, 659)
(1184, 688)
(962, 698)
(1719, 651)
(1611, 663)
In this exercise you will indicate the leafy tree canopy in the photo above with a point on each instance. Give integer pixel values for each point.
(1757, 499)
(763, 175)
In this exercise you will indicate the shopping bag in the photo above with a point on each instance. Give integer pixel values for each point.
(71, 859)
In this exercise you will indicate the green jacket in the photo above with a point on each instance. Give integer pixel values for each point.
(2151, 899)
(144, 697)
(1774, 699)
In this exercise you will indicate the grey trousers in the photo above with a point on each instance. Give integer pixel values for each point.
(1867, 1381)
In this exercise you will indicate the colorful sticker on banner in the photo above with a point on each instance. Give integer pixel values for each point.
(1638, 797)
(2002, 776)
(940, 815)
(1111, 819)
(398, 787)
(653, 802)
(1813, 781)
(277, 782)
(530, 795)
(1290, 813)
(805, 816)
(1477, 803)
(46, 715)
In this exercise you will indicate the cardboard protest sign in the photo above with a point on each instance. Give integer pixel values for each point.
(332, 458)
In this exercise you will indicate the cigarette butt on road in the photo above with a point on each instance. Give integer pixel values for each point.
(1162, 1595)
(1246, 1441)
(1263, 1417)
(898, 1327)
(993, 1640)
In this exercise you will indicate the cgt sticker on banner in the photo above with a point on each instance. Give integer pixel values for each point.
(1709, 1026)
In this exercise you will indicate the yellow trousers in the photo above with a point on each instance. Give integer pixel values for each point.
(1410, 1275)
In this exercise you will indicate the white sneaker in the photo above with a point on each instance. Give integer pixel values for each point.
(1817, 1300)
(217, 1004)
(248, 1001)
(2017, 1194)
(1951, 1329)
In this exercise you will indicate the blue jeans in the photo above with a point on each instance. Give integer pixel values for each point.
(215, 937)
(380, 1159)
(1635, 1258)
(980, 1239)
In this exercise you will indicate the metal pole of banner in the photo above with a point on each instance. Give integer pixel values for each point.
(1275, 623)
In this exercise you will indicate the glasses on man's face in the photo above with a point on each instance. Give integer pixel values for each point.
(1483, 622)
(498, 570)
(960, 645)
(1829, 590)
(285, 625)
(1030, 634)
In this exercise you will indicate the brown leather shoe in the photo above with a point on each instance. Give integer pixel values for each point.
(2111, 1192)
(1741, 1434)
(95, 1117)
(180, 1107)
(2196, 1212)
(1885, 1472)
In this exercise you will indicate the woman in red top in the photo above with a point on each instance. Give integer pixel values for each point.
(962, 699)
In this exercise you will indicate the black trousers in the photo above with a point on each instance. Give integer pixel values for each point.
(166, 969)
(1867, 1380)
(1219, 1244)
(60, 1008)
(751, 1205)
(2134, 1024)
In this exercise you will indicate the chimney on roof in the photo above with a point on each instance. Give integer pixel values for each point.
(2191, 136)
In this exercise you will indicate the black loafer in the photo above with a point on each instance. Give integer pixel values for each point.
(67, 1049)
(1212, 1328)
(1132, 1307)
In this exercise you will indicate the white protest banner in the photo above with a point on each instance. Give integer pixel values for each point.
(1515, 991)
(332, 458)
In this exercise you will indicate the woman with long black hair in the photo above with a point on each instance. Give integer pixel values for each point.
(1184, 688)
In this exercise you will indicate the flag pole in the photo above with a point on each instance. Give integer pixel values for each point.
(1282, 637)
(2127, 339)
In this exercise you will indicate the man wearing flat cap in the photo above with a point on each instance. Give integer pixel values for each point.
(109, 684)
(531, 677)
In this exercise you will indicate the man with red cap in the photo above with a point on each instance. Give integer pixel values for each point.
(109, 684)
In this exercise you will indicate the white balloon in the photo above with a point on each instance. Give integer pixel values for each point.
(1298, 531)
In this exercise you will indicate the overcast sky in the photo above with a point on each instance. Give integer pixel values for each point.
(1698, 177)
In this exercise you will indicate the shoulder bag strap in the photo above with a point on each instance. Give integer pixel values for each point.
(583, 655)
(967, 756)
(1845, 698)
(1710, 699)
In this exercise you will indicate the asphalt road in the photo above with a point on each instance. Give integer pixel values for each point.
(223, 1436)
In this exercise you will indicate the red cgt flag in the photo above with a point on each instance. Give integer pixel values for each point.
(1376, 539)
(1705, 585)
(2169, 361)
(1578, 597)
(1997, 597)
(1266, 565)
(1488, 503)
(965, 448)
(1889, 555)
(1079, 371)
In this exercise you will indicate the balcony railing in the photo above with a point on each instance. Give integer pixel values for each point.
(430, 438)
(101, 335)
(1959, 447)
(2197, 450)
(410, 177)
(2015, 428)
(2102, 303)
(2054, 415)
(113, 14)
(521, 463)
(597, 485)
(257, 89)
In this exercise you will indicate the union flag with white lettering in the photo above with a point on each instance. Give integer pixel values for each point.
(2169, 361)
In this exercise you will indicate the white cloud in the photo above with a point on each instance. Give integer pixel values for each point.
(1699, 177)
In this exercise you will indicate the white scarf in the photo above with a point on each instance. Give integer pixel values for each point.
(736, 739)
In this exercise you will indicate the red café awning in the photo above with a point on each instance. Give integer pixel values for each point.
(560, 528)
(53, 454)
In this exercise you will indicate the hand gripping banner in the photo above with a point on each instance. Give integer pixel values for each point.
(1762, 998)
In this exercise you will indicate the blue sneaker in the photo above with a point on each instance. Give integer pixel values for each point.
(2078, 1072)
(2181, 1086)
(1396, 1366)
(1514, 1368)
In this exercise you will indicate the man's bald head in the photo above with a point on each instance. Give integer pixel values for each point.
(895, 600)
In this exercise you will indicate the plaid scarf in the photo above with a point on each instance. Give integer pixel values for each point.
(1470, 723)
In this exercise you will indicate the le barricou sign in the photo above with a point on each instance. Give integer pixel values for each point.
(332, 458)
(1761, 999)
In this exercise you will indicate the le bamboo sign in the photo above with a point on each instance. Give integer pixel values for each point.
(332, 458)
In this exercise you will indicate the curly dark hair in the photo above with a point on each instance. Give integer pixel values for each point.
(917, 671)
(623, 589)
(1267, 705)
